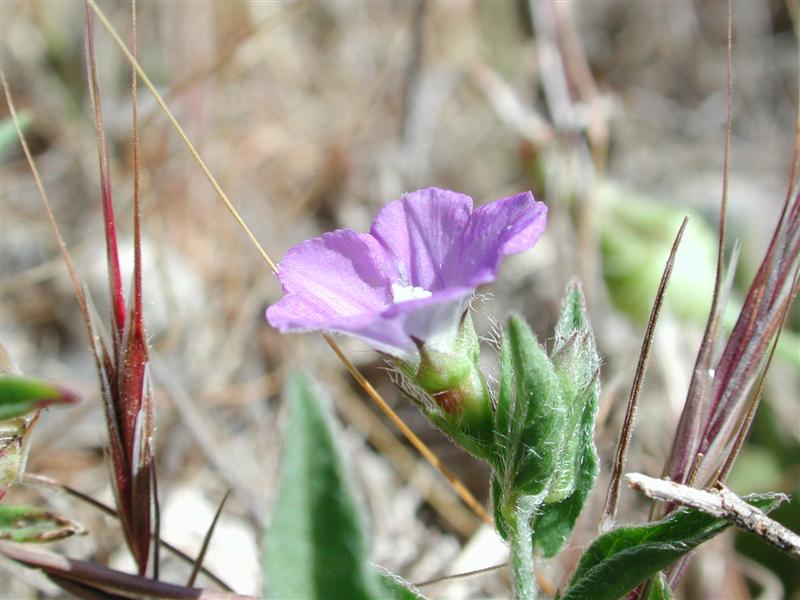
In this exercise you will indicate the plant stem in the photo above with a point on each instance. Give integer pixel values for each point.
(519, 521)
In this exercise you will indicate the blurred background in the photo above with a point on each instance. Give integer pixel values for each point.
(313, 114)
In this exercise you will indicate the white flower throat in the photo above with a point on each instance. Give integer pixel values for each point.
(404, 293)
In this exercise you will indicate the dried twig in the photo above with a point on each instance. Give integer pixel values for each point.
(721, 503)
(462, 575)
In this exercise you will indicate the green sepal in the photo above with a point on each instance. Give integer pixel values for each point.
(316, 546)
(659, 588)
(622, 559)
(26, 524)
(449, 388)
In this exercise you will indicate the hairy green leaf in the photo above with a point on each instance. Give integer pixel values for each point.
(576, 363)
(537, 416)
(625, 557)
(554, 522)
(315, 547)
(28, 524)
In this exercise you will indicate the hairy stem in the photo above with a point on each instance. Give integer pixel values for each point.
(519, 521)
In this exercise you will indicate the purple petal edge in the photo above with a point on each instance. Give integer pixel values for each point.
(432, 239)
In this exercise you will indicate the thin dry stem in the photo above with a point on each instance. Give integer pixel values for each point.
(687, 438)
(62, 246)
(132, 59)
(198, 564)
(461, 575)
(612, 496)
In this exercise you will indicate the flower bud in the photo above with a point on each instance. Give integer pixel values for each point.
(454, 379)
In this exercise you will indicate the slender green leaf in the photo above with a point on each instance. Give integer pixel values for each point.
(28, 524)
(395, 587)
(315, 547)
(537, 429)
(625, 557)
(21, 395)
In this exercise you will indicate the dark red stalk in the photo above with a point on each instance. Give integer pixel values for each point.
(126, 391)
(114, 273)
(757, 324)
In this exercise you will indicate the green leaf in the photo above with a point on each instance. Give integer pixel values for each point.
(555, 521)
(659, 589)
(576, 363)
(315, 547)
(396, 587)
(625, 557)
(536, 429)
(21, 395)
(28, 524)
(497, 505)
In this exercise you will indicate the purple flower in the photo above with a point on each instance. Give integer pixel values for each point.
(411, 276)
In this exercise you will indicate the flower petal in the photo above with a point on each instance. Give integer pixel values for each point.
(434, 319)
(423, 232)
(502, 227)
(339, 275)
